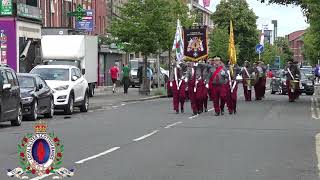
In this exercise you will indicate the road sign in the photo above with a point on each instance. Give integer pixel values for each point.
(259, 48)
(86, 22)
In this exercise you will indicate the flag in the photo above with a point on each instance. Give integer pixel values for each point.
(232, 48)
(178, 45)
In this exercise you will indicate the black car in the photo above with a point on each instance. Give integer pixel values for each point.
(36, 96)
(278, 83)
(307, 83)
(10, 102)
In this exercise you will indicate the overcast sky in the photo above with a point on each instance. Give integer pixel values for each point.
(290, 18)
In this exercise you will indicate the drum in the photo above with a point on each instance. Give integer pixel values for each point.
(294, 85)
(249, 83)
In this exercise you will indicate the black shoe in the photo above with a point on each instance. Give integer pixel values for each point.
(217, 114)
(206, 110)
(194, 114)
(235, 111)
(230, 112)
(182, 111)
(222, 112)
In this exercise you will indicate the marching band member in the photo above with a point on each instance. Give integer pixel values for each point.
(293, 77)
(200, 88)
(232, 90)
(216, 84)
(191, 76)
(177, 83)
(258, 74)
(264, 78)
(246, 80)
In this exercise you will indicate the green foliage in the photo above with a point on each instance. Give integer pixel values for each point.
(244, 22)
(149, 25)
(280, 48)
(219, 42)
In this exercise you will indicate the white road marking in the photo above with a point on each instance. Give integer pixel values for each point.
(123, 104)
(115, 106)
(171, 125)
(41, 177)
(194, 116)
(211, 109)
(90, 111)
(145, 136)
(98, 155)
(317, 138)
(315, 110)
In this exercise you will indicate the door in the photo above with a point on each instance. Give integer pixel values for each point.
(83, 84)
(41, 95)
(48, 94)
(5, 94)
(14, 94)
(77, 85)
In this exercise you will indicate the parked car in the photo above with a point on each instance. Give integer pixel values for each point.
(10, 102)
(164, 77)
(307, 83)
(36, 96)
(69, 86)
(278, 83)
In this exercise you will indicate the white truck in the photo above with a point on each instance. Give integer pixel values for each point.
(77, 50)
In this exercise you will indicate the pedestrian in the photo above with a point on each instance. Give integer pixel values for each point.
(247, 80)
(126, 78)
(216, 85)
(317, 73)
(150, 77)
(191, 80)
(293, 77)
(232, 89)
(177, 83)
(200, 88)
(114, 73)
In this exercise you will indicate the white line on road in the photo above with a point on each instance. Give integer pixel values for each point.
(145, 136)
(98, 155)
(211, 109)
(315, 111)
(41, 177)
(115, 106)
(318, 149)
(193, 116)
(171, 125)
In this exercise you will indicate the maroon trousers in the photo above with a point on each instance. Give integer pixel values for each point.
(292, 95)
(231, 98)
(247, 92)
(192, 96)
(179, 95)
(201, 96)
(258, 88)
(263, 86)
(218, 94)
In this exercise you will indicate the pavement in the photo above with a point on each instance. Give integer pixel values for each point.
(145, 140)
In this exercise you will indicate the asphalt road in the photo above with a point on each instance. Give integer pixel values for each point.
(267, 140)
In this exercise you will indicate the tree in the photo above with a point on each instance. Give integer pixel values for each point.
(245, 28)
(218, 43)
(269, 54)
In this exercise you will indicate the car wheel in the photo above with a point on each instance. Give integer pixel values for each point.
(70, 106)
(272, 91)
(18, 120)
(85, 104)
(34, 114)
(51, 110)
(133, 86)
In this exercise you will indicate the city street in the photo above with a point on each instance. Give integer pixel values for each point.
(266, 140)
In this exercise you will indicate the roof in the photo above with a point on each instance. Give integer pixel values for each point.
(295, 35)
(56, 66)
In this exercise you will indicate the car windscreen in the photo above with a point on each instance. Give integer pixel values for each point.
(52, 73)
(26, 82)
(63, 62)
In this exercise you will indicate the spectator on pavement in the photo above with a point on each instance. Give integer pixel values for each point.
(114, 73)
(317, 73)
(126, 78)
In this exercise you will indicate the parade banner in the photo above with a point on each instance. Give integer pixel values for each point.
(196, 44)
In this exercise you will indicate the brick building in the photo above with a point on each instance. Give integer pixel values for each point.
(296, 44)
(55, 13)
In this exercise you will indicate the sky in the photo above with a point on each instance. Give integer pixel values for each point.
(290, 18)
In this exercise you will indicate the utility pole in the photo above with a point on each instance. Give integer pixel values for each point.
(158, 69)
